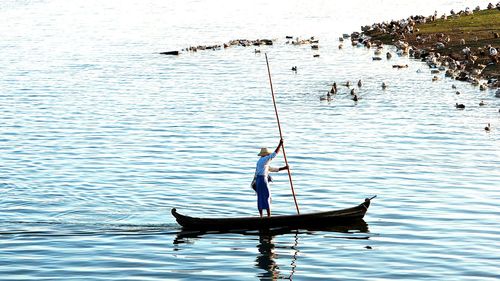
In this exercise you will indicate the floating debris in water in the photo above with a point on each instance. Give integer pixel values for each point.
(172, 53)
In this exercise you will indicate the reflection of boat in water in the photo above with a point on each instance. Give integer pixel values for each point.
(277, 259)
(304, 221)
(358, 226)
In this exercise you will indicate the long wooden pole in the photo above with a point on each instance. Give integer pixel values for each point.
(281, 136)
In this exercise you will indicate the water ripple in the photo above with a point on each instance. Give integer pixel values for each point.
(101, 136)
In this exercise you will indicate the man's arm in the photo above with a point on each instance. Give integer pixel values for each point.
(277, 150)
(274, 170)
(283, 168)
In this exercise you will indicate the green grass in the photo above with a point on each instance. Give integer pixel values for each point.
(477, 30)
(485, 20)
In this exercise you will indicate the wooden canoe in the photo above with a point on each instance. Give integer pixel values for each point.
(323, 219)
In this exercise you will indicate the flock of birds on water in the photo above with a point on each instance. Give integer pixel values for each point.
(334, 88)
(355, 97)
(315, 46)
(354, 92)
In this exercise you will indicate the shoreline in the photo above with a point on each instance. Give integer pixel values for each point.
(464, 44)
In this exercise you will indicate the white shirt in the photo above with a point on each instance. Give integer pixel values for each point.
(263, 168)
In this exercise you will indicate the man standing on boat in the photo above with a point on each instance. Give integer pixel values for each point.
(261, 177)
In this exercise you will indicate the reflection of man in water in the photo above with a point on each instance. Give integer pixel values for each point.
(265, 260)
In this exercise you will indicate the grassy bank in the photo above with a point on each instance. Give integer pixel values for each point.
(477, 31)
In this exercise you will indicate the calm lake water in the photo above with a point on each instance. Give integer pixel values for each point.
(100, 137)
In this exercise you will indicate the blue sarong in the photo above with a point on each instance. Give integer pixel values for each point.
(263, 193)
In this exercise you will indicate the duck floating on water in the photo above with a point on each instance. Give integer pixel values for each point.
(487, 128)
(335, 86)
(327, 97)
(384, 86)
(360, 83)
(459, 105)
(400, 66)
(482, 103)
